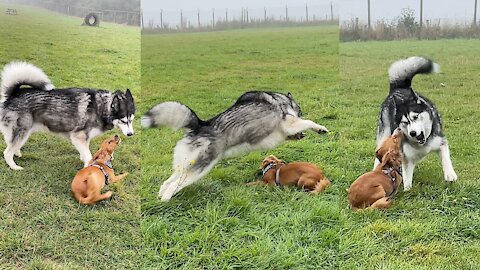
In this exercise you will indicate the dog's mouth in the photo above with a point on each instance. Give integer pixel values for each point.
(297, 136)
(421, 138)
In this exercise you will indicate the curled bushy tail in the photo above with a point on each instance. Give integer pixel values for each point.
(171, 114)
(402, 72)
(16, 74)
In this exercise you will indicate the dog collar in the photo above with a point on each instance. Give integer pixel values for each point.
(266, 169)
(107, 178)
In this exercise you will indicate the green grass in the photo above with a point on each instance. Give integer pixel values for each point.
(219, 223)
(435, 225)
(41, 225)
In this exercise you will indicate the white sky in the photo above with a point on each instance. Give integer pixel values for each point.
(171, 9)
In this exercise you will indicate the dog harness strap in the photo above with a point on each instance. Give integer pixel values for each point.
(277, 177)
(107, 178)
(389, 172)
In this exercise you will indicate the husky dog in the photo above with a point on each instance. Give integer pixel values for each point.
(416, 116)
(257, 121)
(77, 113)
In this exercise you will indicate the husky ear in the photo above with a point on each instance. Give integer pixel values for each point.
(290, 96)
(116, 102)
(128, 94)
(131, 102)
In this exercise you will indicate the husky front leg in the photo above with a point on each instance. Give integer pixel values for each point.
(407, 167)
(448, 171)
(81, 143)
(294, 125)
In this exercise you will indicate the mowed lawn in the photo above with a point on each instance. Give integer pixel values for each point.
(41, 225)
(435, 225)
(219, 223)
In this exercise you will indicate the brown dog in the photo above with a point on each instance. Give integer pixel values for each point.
(90, 180)
(302, 174)
(376, 188)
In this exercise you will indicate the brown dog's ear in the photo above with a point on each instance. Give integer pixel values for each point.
(100, 155)
(379, 155)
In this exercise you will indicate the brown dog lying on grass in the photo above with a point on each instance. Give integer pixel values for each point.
(90, 180)
(375, 189)
(301, 174)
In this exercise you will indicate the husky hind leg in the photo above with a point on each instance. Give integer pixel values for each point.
(173, 178)
(188, 177)
(15, 141)
(190, 163)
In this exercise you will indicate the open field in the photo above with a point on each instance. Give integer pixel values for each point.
(41, 225)
(435, 225)
(219, 223)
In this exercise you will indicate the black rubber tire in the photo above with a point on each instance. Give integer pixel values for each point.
(89, 16)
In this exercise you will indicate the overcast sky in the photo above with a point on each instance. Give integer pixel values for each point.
(455, 11)
(171, 9)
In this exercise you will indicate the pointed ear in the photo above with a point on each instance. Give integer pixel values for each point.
(290, 96)
(128, 94)
(115, 103)
(131, 102)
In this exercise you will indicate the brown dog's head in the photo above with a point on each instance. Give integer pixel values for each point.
(105, 153)
(268, 160)
(393, 142)
(392, 158)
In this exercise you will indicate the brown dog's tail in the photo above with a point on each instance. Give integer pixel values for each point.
(321, 185)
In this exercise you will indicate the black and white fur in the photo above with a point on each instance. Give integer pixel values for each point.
(257, 121)
(416, 116)
(77, 113)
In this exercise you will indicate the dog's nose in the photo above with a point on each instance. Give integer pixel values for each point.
(129, 134)
(413, 133)
(116, 136)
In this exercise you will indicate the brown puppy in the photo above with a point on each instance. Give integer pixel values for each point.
(302, 174)
(90, 180)
(375, 189)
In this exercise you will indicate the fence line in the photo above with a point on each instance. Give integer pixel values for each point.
(224, 18)
(108, 15)
(421, 13)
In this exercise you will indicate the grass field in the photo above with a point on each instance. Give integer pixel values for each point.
(435, 225)
(219, 223)
(41, 225)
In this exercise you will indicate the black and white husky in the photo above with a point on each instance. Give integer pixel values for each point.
(78, 113)
(416, 116)
(257, 121)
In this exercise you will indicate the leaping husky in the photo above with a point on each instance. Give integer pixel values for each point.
(77, 113)
(416, 116)
(257, 121)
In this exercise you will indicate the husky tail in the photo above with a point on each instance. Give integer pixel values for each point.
(16, 74)
(171, 114)
(402, 72)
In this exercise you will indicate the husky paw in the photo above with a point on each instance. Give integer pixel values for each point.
(321, 129)
(407, 187)
(16, 168)
(18, 153)
(165, 198)
(450, 176)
